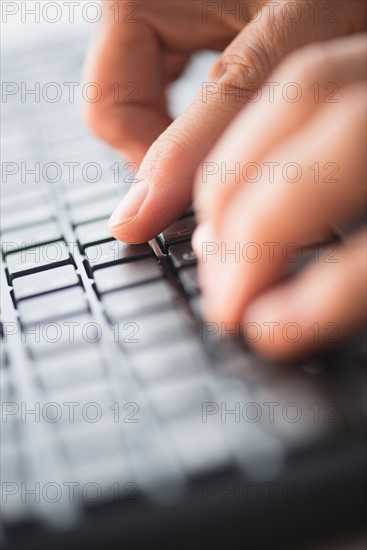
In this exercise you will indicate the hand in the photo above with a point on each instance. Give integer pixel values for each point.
(306, 170)
(144, 44)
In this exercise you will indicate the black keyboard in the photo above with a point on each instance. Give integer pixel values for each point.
(110, 379)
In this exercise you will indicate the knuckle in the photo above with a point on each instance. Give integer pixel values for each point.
(239, 69)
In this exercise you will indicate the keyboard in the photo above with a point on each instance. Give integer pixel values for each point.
(114, 392)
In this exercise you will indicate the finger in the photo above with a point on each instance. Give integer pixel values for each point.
(126, 62)
(282, 212)
(165, 179)
(322, 306)
(304, 82)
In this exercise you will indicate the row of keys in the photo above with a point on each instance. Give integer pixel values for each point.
(103, 254)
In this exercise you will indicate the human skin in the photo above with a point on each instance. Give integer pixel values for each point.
(150, 52)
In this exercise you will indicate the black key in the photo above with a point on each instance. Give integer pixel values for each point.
(155, 296)
(32, 236)
(23, 217)
(76, 196)
(80, 367)
(91, 233)
(101, 255)
(45, 281)
(179, 231)
(182, 255)
(95, 211)
(53, 306)
(154, 329)
(124, 275)
(37, 259)
(174, 361)
(67, 335)
(189, 280)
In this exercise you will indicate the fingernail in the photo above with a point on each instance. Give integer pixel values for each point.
(130, 205)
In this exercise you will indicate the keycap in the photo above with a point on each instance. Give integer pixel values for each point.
(173, 361)
(48, 338)
(134, 300)
(53, 306)
(189, 280)
(201, 447)
(99, 392)
(45, 281)
(95, 211)
(24, 208)
(76, 367)
(155, 329)
(112, 473)
(104, 254)
(91, 233)
(124, 275)
(37, 258)
(20, 195)
(87, 193)
(32, 236)
(179, 397)
(182, 255)
(179, 231)
(25, 216)
(93, 441)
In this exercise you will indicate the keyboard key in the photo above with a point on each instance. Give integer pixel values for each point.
(87, 193)
(109, 253)
(107, 472)
(180, 397)
(93, 441)
(32, 236)
(45, 281)
(173, 361)
(25, 216)
(189, 280)
(37, 259)
(78, 367)
(95, 211)
(53, 306)
(134, 300)
(99, 392)
(179, 231)
(182, 255)
(124, 275)
(155, 329)
(201, 446)
(68, 334)
(91, 233)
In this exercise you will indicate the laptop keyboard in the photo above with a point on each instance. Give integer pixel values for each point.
(104, 367)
